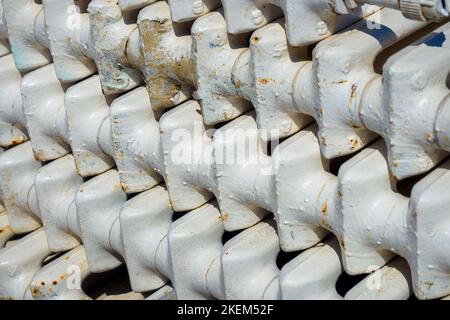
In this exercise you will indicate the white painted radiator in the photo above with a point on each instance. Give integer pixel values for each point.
(234, 149)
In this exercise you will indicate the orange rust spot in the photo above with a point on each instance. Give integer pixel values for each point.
(354, 143)
(224, 217)
(339, 82)
(324, 213)
(38, 155)
(124, 187)
(61, 277)
(255, 40)
(17, 140)
(265, 80)
(35, 292)
(54, 282)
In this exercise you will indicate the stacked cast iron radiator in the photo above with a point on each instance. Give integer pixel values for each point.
(233, 149)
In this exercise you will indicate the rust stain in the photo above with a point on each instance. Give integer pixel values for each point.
(35, 292)
(17, 140)
(352, 96)
(125, 187)
(54, 282)
(255, 40)
(340, 82)
(38, 155)
(429, 284)
(224, 217)
(265, 81)
(353, 143)
(324, 213)
(430, 137)
(166, 73)
(4, 230)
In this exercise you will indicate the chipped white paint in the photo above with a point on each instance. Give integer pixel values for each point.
(82, 42)
(5, 230)
(18, 168)
(313, 274)
(196, 167)
(410, 108)
(45, 113)
(188, 251)
(356, 207)
(26, 31)
(306, 21)
(91, 145)
(12, 118)
(98, 204)
(61, 279)
(111, 37)
(56, 186)
(339, 89)
(329, 88)
(19, 261)
(69, 32)
(167, 55)
(287, 85)
(137, 141)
